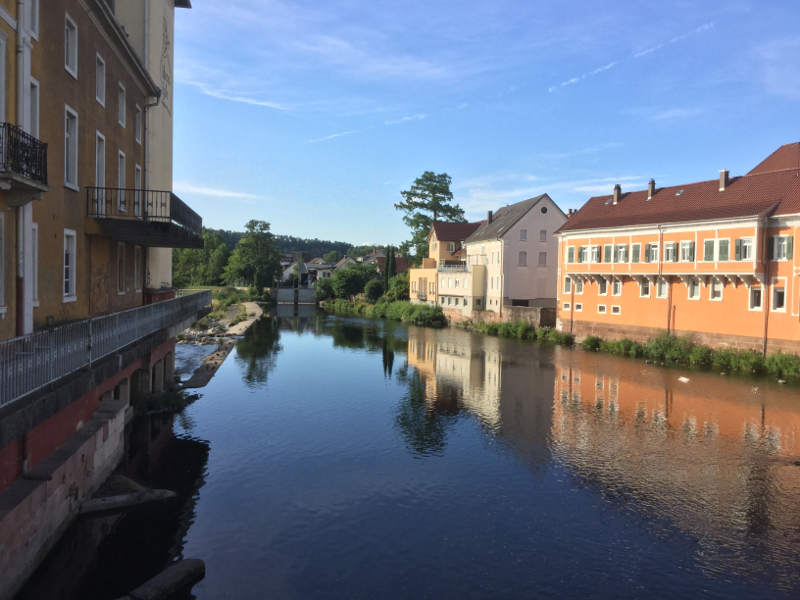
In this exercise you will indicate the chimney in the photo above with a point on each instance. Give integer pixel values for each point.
(489, 217)
(724, 180)
(617, 193)
(651, 188)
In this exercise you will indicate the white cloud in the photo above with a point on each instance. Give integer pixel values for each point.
(197, 190)
(406, 119)
(332, 136)
(658, 113)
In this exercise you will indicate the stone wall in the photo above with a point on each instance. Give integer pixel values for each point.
(535, 315)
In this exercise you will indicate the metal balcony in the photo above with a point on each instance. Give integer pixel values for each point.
(154, 218)
(32, 361)
(453, 266)
(23, 164)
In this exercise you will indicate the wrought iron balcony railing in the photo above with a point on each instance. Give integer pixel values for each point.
(22, 154)
(30, 362)
(460, 266)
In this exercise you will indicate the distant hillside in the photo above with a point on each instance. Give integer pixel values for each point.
(289, 243)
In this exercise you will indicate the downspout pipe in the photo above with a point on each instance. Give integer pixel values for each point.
(766, 300)
(20, 118)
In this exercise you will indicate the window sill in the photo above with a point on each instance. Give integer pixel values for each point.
(35, 304)
(71, 186)
(74, 74)
(101, 102)
(67, 299)
(3, 310)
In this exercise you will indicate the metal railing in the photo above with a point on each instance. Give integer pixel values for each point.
(422, 296)
(152, 206)
(453, 267)
(30, 362)
(22, 154)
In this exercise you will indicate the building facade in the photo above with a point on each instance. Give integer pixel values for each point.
(713, 259)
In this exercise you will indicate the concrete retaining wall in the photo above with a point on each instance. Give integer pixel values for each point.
(538, 316)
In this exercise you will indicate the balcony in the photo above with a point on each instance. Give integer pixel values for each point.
(30, 362)
(23, 165)
(422, 296)
(145, 217)
(451, 267)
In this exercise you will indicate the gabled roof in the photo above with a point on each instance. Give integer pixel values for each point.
(504, 219)
(343, 262)
(772, 188)
(453, 232)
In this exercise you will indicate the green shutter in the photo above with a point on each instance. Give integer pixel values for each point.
(738, 254)
(608, 252)
(676, 249)
(647, 253)
(635, 253)
(571, 254)
(789, 247)
(691, 251)
(708, 250)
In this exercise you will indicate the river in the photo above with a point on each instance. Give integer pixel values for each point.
(333, 458)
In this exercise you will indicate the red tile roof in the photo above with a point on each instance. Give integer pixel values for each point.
(785, 157)
(769, 192)
(454, 232)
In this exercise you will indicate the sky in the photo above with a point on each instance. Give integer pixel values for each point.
(313, 115)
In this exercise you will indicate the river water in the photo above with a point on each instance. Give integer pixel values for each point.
(333, 458)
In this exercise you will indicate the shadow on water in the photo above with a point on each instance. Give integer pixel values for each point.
(104, 557)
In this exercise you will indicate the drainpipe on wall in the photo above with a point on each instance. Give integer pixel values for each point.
(766, 299)
(24, 300)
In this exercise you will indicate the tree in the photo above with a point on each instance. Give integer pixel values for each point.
(255, 260)
(398, 288)
(200, 266)
(332, 257)
(349, 281)
(373, 290)
(388, 267)
(323, 289)
(428, 200)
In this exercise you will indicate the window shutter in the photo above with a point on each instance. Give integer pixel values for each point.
(676, 249)
(635, 253)
(738, 254)
(647, 253)
(771, 248)
(789, 247)
(571, 254)
(691, 251)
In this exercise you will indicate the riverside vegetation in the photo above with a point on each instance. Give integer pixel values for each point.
(398, 310)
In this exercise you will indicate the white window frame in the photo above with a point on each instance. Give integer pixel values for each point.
(642, 284)
(137, 194)
(35, 260)
(3, 82)
(71, 178)
(33, 21)
(137, 123)
(35, 107)
(616, 284)
(523, 235)
(616, 309)
(122, 284)
(747, 242)
(619, 251)
(71, 295)
(711, 286)
(652, 250)
(670, 251)
(566, 256)
(595, 254)
(122, 166)
(686, 248)
(713, 250)
(659, 282)
(137, 268)
(693, 280)
(122, 104)
(566, 306)
(781, 283)
(100, 92)
(3, 308)
(567, 285)
(776, 240)
(718, 253)
(578, 307)
(584, 250)
(639, 246)
(70, 68)
(602, 309)
(99, 174)
(579, 287)
(750, 289)
(599, 293)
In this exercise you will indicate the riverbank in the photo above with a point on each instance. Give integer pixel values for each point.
(404, 311)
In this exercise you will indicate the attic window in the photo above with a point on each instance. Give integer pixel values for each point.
(544, 210)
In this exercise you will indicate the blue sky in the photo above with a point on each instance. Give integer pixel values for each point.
(315, 115)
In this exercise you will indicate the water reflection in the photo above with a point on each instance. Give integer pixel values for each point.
(256, 352)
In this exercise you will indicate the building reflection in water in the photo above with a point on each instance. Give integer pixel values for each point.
(715, 457)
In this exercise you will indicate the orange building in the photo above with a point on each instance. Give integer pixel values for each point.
(713, 259)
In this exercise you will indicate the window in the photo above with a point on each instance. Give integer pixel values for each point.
(601, 308)
(542, 259)
(644, 288)
(565, 306)
(651, 253)
(121, 105)
(671, 252)
(137, 193)
(523, 259)
(33, 18)
(543, 235)
(616, 309)
(571, 254)
(70, 46)
(99, 173)
(661, 288)
(35, 257)
(70, 256)
(602, 287)
(578, 307)
(455, 282)
(779, 295)
(70, 148)
(120, 267)
(34, 108)
(715, 290)
(694, 289)
(3, 82)
(723, 250)
(137, 124)
(596, 254)
(708, 250)
(636, 251)
(582, 252)
(523, 235)
(687, 251)
(755, 298)
(744, 249)
(121, 199)
(567, 285)
(608, 253)
(2, 263)
(622, 253)
(781, 247)
(616, 288)
(100, 80)
(579, 286)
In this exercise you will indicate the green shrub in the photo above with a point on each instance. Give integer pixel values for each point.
(784, 366)
(591, 342)
(750, 362)
(701, 357)
(373, 290)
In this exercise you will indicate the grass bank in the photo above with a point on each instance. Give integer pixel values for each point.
(520, 330)
(672, 351)
(401, 310)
